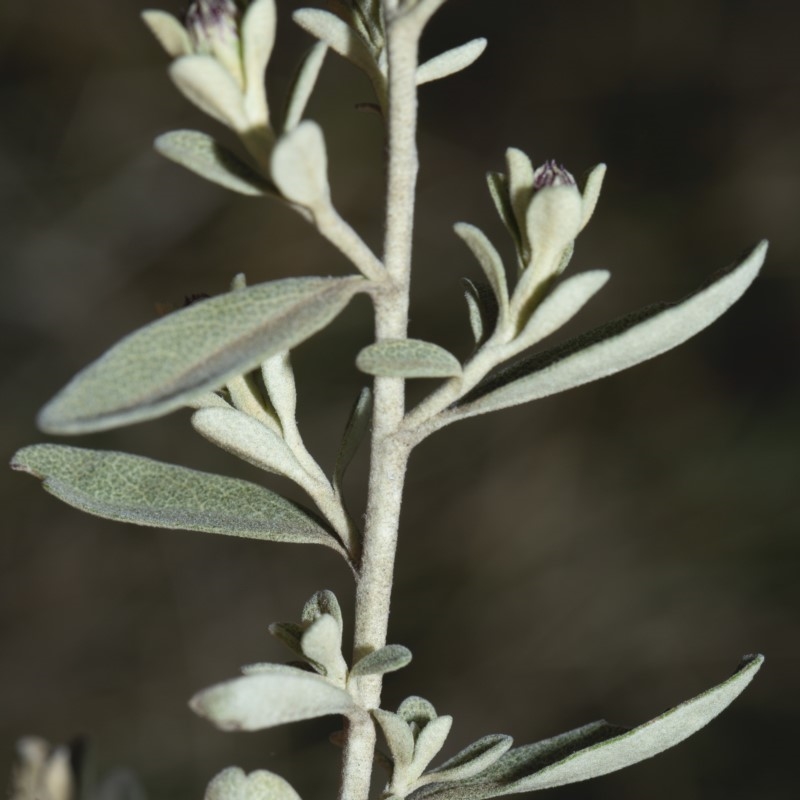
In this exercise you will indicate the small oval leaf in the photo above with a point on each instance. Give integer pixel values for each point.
(205, 82)
(386, 659)
(407, 358)
(233, 784)
(451, 61)
(612, 347)
(200, 153)
(299, 165)
(268, 698)
(169, 32)
(168, 363)
(139, 490)
(398, 736)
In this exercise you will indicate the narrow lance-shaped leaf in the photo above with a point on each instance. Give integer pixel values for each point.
(595, 749)
(134, 489)
(354, 432)
(611, 347)
(270, 697)
(490, 261)
(167, 364)
(337, 34)
(451, 61)
(303, 85)
(407, 358)
(472, 760)
(204, 156)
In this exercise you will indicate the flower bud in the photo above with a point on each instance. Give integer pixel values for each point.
(553, 219)
(213, 27)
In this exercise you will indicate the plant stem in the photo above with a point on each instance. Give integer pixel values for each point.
(389, 449)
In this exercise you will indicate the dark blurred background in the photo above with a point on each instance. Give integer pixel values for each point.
(604, 553)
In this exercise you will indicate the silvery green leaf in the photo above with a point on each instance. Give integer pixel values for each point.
(595, 749)
(520, 187)
(450, 62)
(169, 32)
(258, 39)
(208, 400)
(386, 659)
(303, 85)
(269, 698)
(299, 165)
(278, 376)
(429, 742)
(133, 489)
(407, 358)
(591, 192)
(563, 302)
(417, 710)
(472, 760)
(356, 428)
(290, 633)
(472, 298)
(499, 191)
(207, 84)
(323, 602)
(614, 346)
(233, 784)
(250, 440)
(490, 261)
(322, 644)
(164, 365)
(337, 34)
(398, 736)
(204, 156)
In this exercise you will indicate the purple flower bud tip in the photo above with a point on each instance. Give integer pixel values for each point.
(552, 174)
(205, 17)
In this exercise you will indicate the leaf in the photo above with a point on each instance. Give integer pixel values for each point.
(614, 346)
(398, 736)
(207, 84)
(322, 644)
(168, 363)
(233, 784)
(290, 634)
(204, 156)
(407, 358)
(133, 489)
(320, 603)
(595, 749)
(451, 61)
(591, 192)
(299, 165)
(278, 377)
(476, 322)
(501, 197)
(303, 85)
(558, 308)
(490, 261)
(356, 428)
(257, 42)
(268, 698)
(169, 32)
(472, 760)
(385, 659)
(430, 741)
(417, 710)
(337, 34)
(250, 440)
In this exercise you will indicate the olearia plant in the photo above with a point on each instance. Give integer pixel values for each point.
(228, 359)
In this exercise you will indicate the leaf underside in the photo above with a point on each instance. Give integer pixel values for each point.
(134, 489)
(168, 363)
(407, 358)
(595, 749)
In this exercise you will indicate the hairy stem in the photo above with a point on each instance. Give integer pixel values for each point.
(389, 450)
